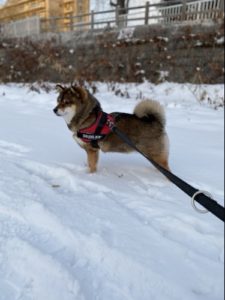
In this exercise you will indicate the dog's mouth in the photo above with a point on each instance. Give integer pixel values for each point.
(68, 113)
(59, 113)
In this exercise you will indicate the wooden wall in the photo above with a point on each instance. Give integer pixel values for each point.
(21, 9)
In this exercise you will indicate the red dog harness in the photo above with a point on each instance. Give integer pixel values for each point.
(98, 130)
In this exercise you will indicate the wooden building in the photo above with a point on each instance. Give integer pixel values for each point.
(71, 8)
(14, 10)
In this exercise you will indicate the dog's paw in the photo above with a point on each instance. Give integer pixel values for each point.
(92, 170)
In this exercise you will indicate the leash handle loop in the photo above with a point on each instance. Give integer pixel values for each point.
(193, 201)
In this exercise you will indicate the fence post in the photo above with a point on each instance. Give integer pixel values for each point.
(92, 20)
(184, 12)
(146, 13)
(14, 29)
(121, 19)
(52, 24)
(71, 23)
(221, 9)
(117, 16)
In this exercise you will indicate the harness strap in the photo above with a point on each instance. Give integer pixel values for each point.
(98, 130)
(101, 124)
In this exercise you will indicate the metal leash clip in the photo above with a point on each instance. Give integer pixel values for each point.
(201, 211)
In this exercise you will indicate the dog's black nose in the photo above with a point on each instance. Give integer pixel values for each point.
(55, 110)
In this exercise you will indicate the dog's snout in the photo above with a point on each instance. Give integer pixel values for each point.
(55, 110)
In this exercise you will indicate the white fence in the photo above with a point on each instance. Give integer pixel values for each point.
(172, 11)
(22, 28)
(193, 11)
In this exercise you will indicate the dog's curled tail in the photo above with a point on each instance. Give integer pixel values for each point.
(151, 109)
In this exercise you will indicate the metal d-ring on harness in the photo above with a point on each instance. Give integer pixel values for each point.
(202, 197)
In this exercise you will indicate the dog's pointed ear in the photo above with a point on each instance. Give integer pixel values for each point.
(73, 90)
(59, 88)
(79, 92)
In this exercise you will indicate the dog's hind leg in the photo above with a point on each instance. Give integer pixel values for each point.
(93, 156)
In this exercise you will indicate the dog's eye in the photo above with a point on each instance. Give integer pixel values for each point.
(66, 101)
(60, 99)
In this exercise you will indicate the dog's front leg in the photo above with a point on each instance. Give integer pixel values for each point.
(92, 156)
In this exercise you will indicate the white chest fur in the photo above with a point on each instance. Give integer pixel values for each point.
(68, 116)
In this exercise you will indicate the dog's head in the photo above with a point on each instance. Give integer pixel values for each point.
(70, 101)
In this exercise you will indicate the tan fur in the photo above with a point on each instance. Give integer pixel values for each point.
(146, 127)
(93, 156)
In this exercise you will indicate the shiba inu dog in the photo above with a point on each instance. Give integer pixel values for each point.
(91, 126)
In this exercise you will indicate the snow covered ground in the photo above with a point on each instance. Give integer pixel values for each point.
(124, 233)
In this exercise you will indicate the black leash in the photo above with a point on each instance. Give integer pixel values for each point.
(201, 197)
